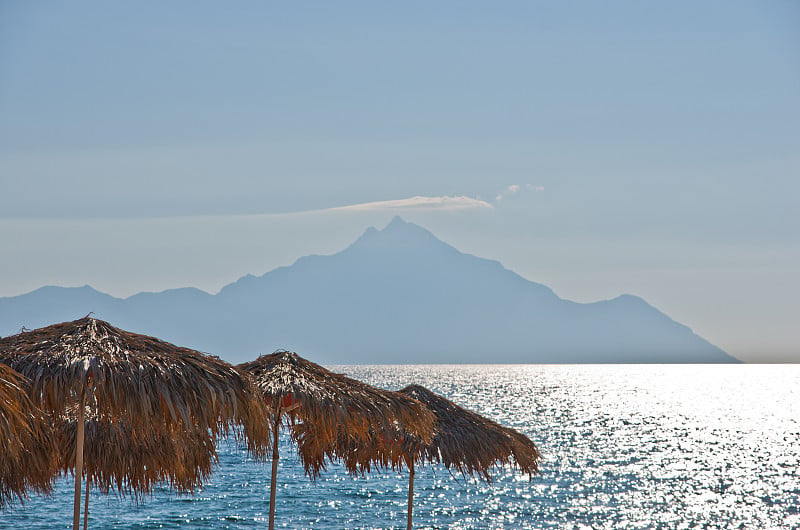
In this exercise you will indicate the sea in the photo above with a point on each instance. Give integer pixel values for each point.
(624, 447)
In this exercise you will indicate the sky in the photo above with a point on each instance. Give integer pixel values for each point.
(600, 148)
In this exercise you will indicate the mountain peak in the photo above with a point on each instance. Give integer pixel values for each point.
(398, 223)
(399, 226)
(399, 235)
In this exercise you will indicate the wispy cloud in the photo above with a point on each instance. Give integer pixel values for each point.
(424, 203)
(418, 203)
(516, 188)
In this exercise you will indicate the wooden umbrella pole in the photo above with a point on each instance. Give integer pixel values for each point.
(86, 506)
(274, 478)
(76, 517)
(410, 492)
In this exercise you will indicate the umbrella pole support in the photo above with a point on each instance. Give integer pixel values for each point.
(76, 517)
(410, 492)
(86, 507)
(274, 477)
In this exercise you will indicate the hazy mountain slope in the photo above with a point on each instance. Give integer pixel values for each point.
(395, 295)
(49, 305)
(400, 295)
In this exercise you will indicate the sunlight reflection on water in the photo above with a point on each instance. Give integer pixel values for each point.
(624, 447)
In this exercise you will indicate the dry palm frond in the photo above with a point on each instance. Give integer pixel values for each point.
(28, 455)
(463, 440)
(339, 409)
(381, 448)
(133, 461)
(155, 392)
(144, 380)
(470, 443)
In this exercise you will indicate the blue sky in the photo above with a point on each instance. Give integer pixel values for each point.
(600, 148)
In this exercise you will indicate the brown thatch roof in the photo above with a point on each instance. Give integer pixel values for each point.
(28, 456)
(383, 447)
(470, 443)
(117, 455)
(138, 382)
(337, 408)
(463, 441)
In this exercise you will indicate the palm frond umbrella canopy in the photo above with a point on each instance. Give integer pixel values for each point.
(150, 387)
(28, 455)
(115, 456)
(339, 409)
(385, 447)
(463, 441)
(468, 442)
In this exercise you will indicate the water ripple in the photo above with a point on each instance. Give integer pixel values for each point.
(656, 447)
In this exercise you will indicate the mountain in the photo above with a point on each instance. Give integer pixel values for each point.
(397, 295)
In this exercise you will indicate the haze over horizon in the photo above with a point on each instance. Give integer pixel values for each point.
(397, 295)
(599, 149)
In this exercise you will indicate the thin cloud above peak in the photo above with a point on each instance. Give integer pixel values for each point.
(419, 202)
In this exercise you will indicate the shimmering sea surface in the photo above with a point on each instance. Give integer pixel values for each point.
(624, 447)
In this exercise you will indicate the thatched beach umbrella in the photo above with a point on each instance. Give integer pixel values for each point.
(152, 388)
(28, 455)
(116, 456)
(463, 441)
(468, 442)
(335, 406)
